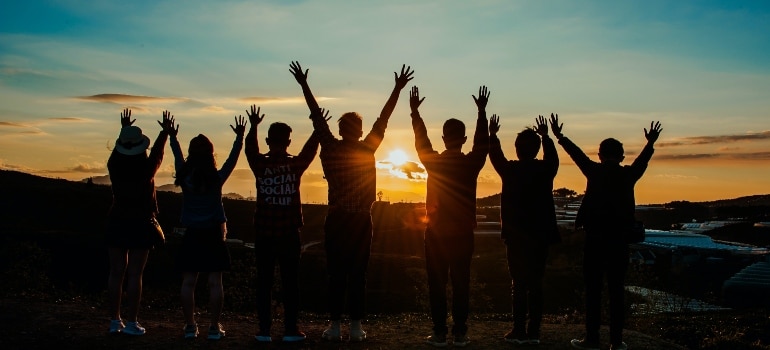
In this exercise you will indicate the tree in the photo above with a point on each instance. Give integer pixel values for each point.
(564, 193)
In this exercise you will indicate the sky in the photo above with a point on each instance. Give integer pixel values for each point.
(608, 68)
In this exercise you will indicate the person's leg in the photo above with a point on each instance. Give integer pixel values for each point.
(137, 259)
(593, 275)
(517, 269)
(288, 260)
(616, 275)
(265, 259)
(334, 243)
(437, 268)
(187, 293)
(216, 296)
(118, 262)
(537, 257)
(461, 253)
(361, 240)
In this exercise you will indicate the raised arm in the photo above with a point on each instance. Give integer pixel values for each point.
(320, 118)
(375, 136)
(577, 155)
(421, 140)
(301, 77)
(496, 155)
(252, 141)
(641, 161)
(227, 168)
(309, 150)
(481, 136)
(550, 156)
(156, 152)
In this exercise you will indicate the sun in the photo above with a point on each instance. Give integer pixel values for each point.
(397, 157)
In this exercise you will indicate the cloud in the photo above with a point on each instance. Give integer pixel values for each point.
(676, 177)
(706, 140)
(85, 168)
(124, 98)
(70, 119)
(279, 100)
(409, 170)
(13, 124)
(216, 109)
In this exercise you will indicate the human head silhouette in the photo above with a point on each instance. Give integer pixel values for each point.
(278, 136)
(611, 151)
(200, 146)
(454, 134)
(527, 144)
(351, 126)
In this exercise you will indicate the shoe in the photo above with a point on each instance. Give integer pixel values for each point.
(461, 341)
(133, 328)
(584, 345)
(263, 337)
(437, 340)
(216, 332)
(190, 331)
(357, 333)
(518, 339)
(332, 334)
(533, 341)
(116, 326)
(621, 346)
(294, 336)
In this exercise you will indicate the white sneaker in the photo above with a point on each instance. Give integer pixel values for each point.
(133, 328)
(116, 326)
(332, 334)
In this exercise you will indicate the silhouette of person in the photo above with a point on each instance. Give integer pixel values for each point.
(348, 165)
(606, 212)
(528, 221)
(277, 220)
(203, 247)
(131, 221)
(451, 210)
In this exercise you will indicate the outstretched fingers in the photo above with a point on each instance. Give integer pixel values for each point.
(405, 76)
(240, 125)
(494, 124)
(414, 98)
(555, 126)
(125, 118)
(483, 98)
(254, 117)
(296, 70)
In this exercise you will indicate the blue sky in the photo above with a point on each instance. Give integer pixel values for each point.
(67, 68)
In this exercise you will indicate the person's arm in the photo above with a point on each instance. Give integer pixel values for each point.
(375, 136)
(156, 153)
(227, 168)
(320, 118)
(481, 136)
(550, 157)
(301, 77)
(574, 152)
(309, 150)
(496, 155)
(640, 163)
(421, 140)
(252, 141)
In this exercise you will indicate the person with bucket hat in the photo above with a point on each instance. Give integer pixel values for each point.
(132, 228)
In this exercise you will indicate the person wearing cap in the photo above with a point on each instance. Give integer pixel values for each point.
(203, 247)
(132, 227)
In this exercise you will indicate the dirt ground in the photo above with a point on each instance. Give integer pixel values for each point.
(79, 325)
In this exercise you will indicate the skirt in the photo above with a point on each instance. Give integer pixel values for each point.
(133, 233)
(203, 250)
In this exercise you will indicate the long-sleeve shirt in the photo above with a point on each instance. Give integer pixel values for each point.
(526, 203)
(452, 178)
(133, 181)
(278, 176)
(203, 210)
(608, 205)
(349, 167)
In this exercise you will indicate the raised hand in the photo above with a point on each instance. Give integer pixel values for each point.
(254, 117)
(541, 126)
(125, 118)
(403, 78)
(240, 125)
(481, 101)
(654, 132)
(494, 125)
(321, 113)
(414, 99)
(296, 71)
(168, 124)
(555, 126)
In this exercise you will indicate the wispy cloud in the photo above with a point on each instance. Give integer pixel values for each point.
(70, 119)
(409, 170)
(86, 168)
(279, 100)
(676, 177)
(726, 156)
(124, 98)
(13, 124)
(706, 140)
